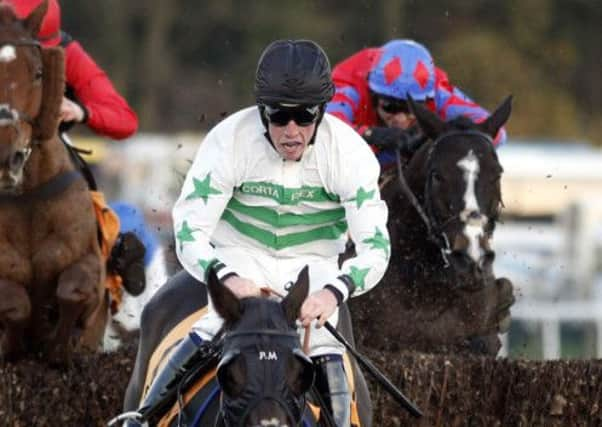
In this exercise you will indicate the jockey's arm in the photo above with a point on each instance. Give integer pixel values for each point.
(366, 215)
(105, 111)
(345, 105)
(205, 194)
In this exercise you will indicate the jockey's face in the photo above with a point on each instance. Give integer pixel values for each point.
(291, 140)
(291, 130)
(394, 113)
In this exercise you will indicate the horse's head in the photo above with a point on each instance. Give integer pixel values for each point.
(459, 176)
(31, 90)
(263, 372)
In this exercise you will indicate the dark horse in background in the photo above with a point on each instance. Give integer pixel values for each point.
(52, 296)
(176, 306)
(440, 292)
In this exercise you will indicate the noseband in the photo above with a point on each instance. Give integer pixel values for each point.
(435, 229)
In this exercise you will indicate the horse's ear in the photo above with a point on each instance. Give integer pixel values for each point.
(34, 21)
(498, 118)
(53, 88)
(293, 301)
(226, 304)
(429, 122)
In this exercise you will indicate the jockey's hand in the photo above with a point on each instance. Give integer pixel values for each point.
(318, 305)
(71, 111)
(242, 287)
(393, 138)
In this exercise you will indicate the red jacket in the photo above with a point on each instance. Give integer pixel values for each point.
(352, 102)
(108, 113)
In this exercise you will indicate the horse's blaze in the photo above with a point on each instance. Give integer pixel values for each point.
(471, 215)
(8, 53)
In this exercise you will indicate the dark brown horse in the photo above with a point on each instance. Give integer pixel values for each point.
(51, 271)
(168, 317)
(440, 292)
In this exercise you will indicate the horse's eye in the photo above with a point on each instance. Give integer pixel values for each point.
(38, 74)
(232, 376)
(436, 177)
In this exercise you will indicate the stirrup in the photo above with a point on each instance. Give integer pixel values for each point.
(128, 416)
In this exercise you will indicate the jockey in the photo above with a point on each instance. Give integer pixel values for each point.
(275, 187)
(372, 88)
(90, 98)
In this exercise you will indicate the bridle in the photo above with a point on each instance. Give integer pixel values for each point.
(239, 408)
(435, 229)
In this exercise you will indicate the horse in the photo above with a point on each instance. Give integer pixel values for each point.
(181, 301)
(52, 296)
(440, 293)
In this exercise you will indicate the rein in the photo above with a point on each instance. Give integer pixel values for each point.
(434, 230)
(393, 391)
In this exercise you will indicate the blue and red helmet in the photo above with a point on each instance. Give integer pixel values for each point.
(403, 67)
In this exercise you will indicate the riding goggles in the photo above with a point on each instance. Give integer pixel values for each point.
(394, 105)
(302, 115)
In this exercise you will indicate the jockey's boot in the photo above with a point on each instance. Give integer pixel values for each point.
(331, 383)
(191, 352)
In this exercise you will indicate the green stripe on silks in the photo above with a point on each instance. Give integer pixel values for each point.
(279, 220)
(288, 196)
(269, 239)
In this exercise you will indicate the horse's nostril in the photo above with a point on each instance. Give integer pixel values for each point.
(5, 114)
(474, 215)
(17, 160)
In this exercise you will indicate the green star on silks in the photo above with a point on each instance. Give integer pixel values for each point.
(378, 241)
(363, 195)
(358, 275)
(185, 234)
(202, 189)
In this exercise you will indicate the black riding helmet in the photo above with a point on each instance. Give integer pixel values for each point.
(293, 72)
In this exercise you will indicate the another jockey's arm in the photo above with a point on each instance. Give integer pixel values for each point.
(205, 194)
(344, 105)
(107, 112)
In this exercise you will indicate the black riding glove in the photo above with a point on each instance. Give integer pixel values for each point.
(385, 138)
(127, 260)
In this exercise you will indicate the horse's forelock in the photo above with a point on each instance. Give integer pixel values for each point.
(261, 313)
(461, 123)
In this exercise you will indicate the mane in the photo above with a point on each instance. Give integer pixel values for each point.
(261, 313)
